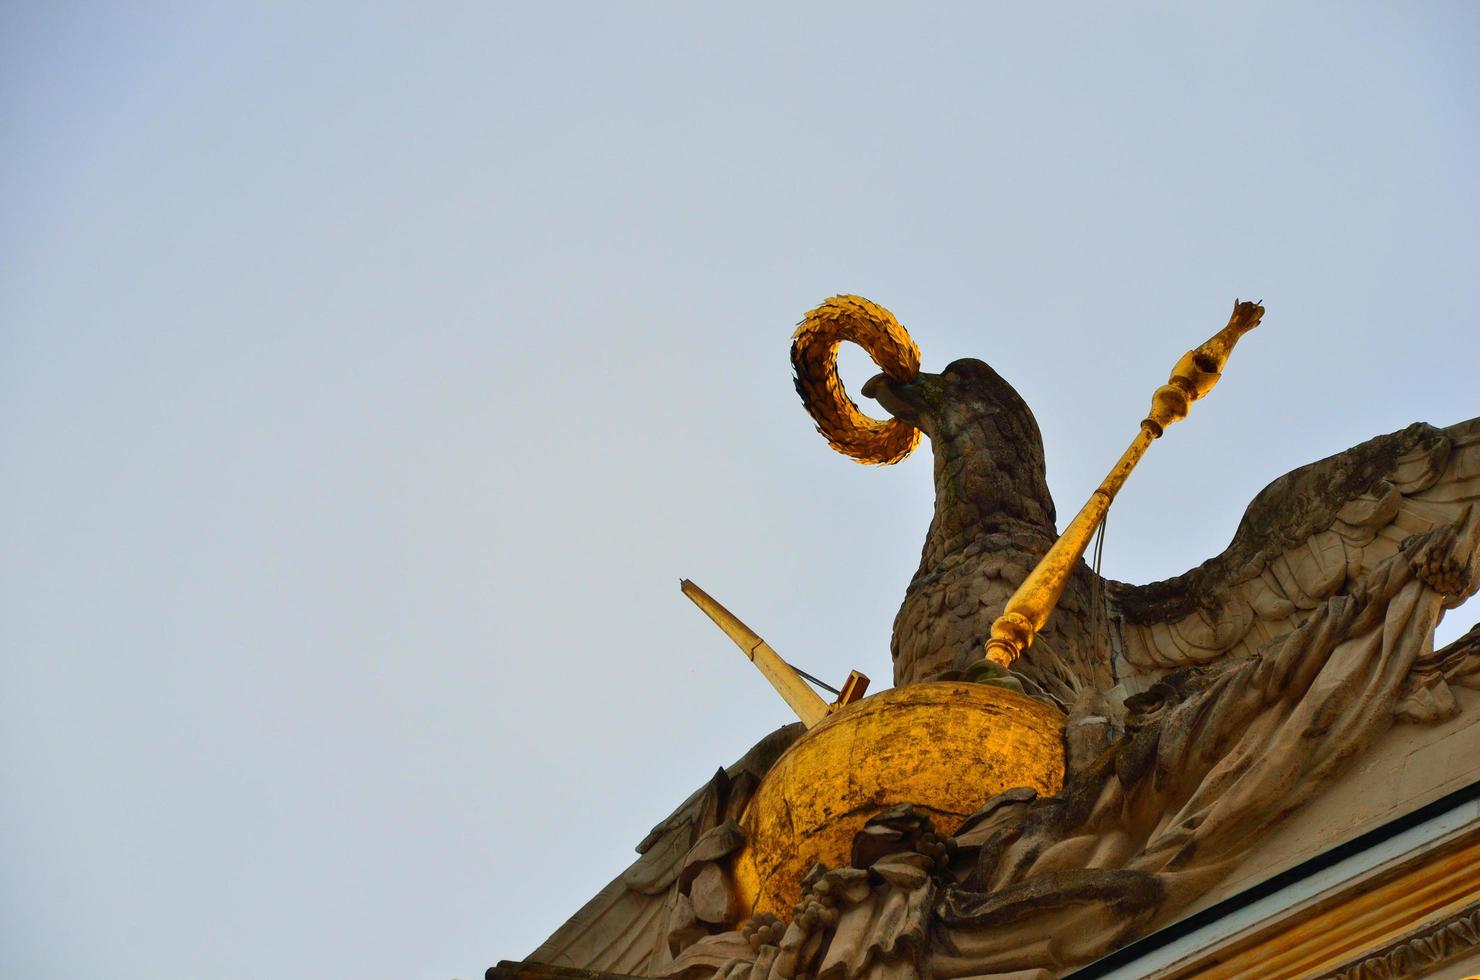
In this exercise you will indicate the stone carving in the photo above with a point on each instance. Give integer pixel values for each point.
(1420, 951)
(1200, 712)
(636, 924)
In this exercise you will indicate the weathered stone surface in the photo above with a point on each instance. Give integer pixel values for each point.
(712, 896)
(1405, 768)
(534, 970)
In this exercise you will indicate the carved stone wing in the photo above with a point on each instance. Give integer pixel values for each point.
(625, 928)
(1309, 535)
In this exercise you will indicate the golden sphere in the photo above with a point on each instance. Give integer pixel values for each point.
(946, 747)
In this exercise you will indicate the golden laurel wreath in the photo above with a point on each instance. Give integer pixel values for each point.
(814, 357)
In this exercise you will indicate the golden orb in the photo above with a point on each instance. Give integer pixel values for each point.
(945, 746)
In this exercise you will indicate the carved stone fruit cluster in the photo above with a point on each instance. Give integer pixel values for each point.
(938, 847)
(1441, 572)
(763, 929)
(818, 907)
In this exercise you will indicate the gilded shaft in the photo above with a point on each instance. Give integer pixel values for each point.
(807, 703)
(1193, 376)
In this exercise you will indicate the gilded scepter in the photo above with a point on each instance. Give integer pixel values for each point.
(1193, 376)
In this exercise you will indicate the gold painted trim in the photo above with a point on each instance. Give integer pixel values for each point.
(1430, 947)
(1363, 916)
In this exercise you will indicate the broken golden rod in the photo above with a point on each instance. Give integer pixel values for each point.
(1193, 376)
(807, 703)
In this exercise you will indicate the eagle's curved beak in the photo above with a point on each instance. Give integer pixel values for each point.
(900, 399)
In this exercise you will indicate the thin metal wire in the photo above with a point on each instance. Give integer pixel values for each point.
(1100, 541)
(1099, 615)
(820, 683)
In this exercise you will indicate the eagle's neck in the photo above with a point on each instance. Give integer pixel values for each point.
(989, 479)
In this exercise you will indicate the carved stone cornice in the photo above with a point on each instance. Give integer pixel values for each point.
(1419, 951)
(533, 970)
(1414, 916)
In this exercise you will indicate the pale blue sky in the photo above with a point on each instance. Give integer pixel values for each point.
(368, 379)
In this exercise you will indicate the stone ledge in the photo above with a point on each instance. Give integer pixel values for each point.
(531, 970)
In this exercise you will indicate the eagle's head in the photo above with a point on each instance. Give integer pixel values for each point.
(943, 405)
(988, 451)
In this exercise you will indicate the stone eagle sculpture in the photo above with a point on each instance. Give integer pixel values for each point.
(1200, 710)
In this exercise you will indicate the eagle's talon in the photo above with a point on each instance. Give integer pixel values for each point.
(988, 672)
